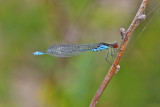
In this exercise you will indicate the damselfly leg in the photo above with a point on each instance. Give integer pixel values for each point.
(111, 52)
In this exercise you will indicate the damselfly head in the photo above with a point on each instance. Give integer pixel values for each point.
(115, 45)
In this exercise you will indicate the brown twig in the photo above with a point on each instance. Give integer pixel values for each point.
(125, 39)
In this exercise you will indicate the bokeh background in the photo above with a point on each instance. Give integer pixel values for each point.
(45, 81)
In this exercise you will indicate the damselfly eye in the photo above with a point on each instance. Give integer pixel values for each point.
(115, 45)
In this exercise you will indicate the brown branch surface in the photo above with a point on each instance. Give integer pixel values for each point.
(136, 21)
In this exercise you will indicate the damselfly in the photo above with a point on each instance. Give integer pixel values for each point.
(68, 50)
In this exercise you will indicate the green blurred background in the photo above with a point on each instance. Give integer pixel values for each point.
(45, 81)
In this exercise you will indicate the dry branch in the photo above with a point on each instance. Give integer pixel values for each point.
(125, 39)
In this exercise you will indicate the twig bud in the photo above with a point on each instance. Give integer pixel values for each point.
(140, 18)
(123, 32)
